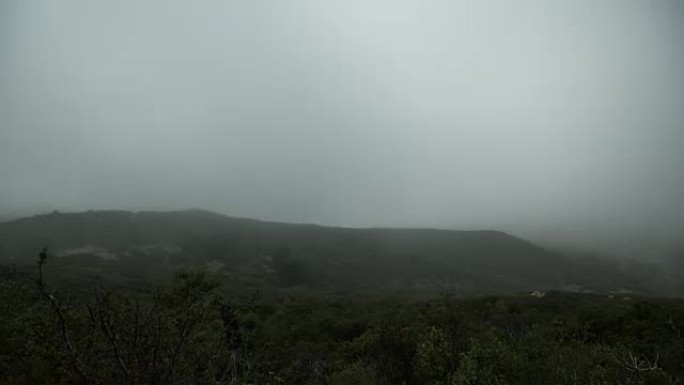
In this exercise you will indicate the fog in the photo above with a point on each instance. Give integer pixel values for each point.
(559, 121)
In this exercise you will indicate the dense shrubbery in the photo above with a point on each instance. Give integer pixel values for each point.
(180, 333)
(186, 332)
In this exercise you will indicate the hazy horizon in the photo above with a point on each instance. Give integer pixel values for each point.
(559, 121)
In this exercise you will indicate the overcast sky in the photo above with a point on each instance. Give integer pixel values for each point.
(536, 117)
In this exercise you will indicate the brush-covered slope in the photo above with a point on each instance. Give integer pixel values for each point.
(257, 254)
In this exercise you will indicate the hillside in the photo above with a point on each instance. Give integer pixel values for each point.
(250, 254)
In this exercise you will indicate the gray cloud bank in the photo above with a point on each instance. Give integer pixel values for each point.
(552, 119)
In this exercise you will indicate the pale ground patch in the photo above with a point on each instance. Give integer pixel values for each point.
(214, 266)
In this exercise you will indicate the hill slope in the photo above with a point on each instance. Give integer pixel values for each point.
(257, 254)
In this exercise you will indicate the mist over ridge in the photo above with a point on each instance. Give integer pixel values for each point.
(557, 122)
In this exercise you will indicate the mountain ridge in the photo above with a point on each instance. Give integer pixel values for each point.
(254, 253)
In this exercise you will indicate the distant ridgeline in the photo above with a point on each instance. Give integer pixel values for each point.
(128, 247)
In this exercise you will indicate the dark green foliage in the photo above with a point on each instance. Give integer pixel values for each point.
(185, 332)
(170, 335)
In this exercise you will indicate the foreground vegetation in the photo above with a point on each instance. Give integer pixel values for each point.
(187, 332)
